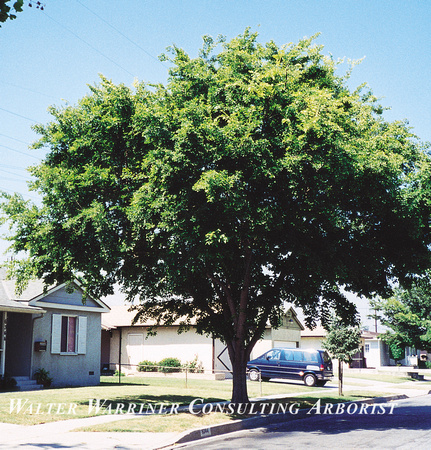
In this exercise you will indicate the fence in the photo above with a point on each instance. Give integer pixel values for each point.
(115, 369)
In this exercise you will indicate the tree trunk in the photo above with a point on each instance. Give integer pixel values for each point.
(239, 372)
(340, 378)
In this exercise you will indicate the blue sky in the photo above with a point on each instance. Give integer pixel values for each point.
(49, 57)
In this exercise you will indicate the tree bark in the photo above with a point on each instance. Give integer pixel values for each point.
(239, 382)
(340, 378)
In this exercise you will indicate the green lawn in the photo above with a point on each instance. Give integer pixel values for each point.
(66, 403)
(183, 421)
(49, 405)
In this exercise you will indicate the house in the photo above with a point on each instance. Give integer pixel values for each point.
(131, 344)
(374, 352)
(52, 330)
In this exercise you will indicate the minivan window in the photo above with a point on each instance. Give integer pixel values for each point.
(288, 355)
(311, 356)
(326, 357)
(273, 354)
(298, 356)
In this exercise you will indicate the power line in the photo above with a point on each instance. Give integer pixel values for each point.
(7, 166)
(27, 89)
(27, 178)
(14, 192)
(22, 153)
(91, 46)
(18, 115)
(120, 33)
(14, 139)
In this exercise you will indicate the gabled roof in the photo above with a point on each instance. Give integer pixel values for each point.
(33, 298)
(369, 334)
(291, 313)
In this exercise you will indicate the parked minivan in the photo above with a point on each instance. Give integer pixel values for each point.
(313, 367)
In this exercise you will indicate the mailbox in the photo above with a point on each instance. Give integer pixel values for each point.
(40, 346)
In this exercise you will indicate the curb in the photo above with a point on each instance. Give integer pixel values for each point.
(255, 422)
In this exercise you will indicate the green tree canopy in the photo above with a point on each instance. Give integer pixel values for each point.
(342, 341)
(8, 8)
(253, 177)
(408, 315)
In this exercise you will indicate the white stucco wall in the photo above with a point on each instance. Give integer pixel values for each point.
(137, 346)
(166, 343)
(314, 343)
(263, 345)
(372, 353)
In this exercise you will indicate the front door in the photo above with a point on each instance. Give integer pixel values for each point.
(135, 344)
(18, 344)
(3, 315)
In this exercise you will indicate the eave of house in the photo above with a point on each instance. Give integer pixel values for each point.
(121, 316)
(38, 301)
(31, 300)
(17, 307)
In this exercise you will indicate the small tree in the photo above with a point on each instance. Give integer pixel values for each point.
(342, 342)
(396, 349)
(407, 315)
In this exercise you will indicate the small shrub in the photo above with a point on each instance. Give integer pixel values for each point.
(428, 364)
(147, 366)
(194, 366)
(42, 377)
(117, 373)
(169, 365)
(7, 383)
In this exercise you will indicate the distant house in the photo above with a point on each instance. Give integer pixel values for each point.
(374, 352)
(52, 330)
(131, 344)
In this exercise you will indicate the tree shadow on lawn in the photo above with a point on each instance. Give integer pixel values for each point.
(182, 400)
(127, 383)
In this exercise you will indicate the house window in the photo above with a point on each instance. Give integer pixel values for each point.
(69, 334)
(367, 348)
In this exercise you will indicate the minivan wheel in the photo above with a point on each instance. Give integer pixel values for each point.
(253, 374)
(310, 380)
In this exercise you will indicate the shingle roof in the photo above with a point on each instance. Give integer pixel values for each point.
(121, 316)
(319, 331)
(9, 301)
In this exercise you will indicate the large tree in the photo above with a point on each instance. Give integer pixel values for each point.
(9, 8)
(253, 177)
(407, 314)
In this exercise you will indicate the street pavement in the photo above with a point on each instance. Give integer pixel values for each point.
(401, 425)
(61, 435)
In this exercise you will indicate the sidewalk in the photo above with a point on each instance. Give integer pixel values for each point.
(61, 435)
